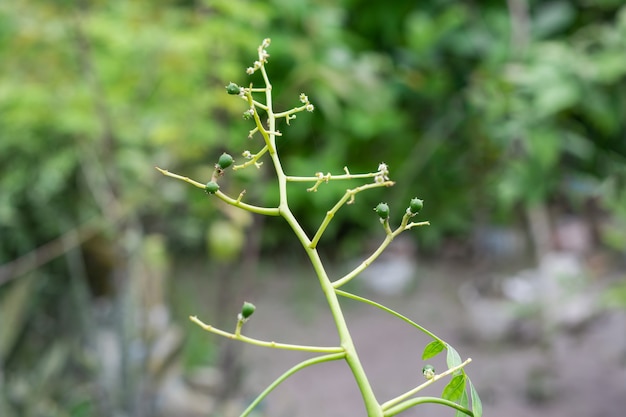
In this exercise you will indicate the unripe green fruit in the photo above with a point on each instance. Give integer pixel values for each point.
(416, 205)
(247, 309)
(233, 89)
(225, 161)
(211, 187)
(382, 210)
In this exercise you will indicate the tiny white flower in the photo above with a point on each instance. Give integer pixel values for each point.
(250, 71)
(303, 98)
(310, 107)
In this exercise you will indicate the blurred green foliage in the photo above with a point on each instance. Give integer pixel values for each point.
(95, 93)
(438, 91)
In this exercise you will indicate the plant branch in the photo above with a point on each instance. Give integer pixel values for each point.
(356, 271)
(253, 159)
(280, 379)
(290, 112)
(263, 343)
(390, 311)
(423, 400)
(267, 211)
(348, 198)
(388, 238)
(259, 124)
(320, 178)
(391, 403)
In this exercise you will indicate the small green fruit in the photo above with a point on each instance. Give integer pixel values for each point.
(428, 371)
(382, 210)
(233, 89)
(225, 161)
(247, 310)
(211, 187)
(416, 205)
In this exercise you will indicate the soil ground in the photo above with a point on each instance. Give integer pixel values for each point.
(581, 374)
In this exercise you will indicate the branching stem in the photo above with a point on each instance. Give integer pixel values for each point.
(267, 211)
(424, 400)
(263, 343)
(347, 198)
(388, 239)
(280, 379)
(346, 349)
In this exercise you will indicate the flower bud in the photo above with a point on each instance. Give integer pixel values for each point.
(428, 371)
(416, 205)
(247, 309)
(233, 89)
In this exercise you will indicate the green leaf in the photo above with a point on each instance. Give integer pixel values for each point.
(453, 359)
(477, 405)
(455, 388)
(432, 349)
(463, 403)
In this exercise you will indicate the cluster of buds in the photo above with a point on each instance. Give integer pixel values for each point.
(415, 206)
(383, 173)
(224, 161)
(304, 99)
(263, 55)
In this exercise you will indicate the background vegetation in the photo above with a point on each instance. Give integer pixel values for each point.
(483, 109)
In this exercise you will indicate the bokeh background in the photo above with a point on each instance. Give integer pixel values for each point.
(508, 118)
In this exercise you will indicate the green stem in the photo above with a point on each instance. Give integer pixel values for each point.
(290, 112)
(252, 160)
(371, 404)
(280, 379)
(405, 225)
(347, 198)
(330, 177)
(422, 400)
(356, 271)
(263, 343)
(267, 211)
